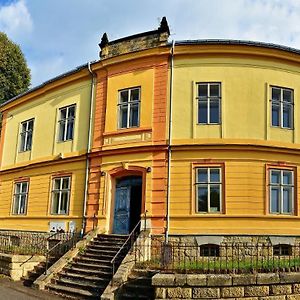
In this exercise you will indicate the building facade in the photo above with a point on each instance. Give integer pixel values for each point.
(188, 138)
(43, 155)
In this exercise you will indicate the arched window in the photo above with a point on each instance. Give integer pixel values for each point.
(209, 250)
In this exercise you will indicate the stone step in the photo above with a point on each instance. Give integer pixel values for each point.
(113, 236)
(113, 246)
(73, 292)
(91, 265)
(100, 254)
(90, 286)
(97, 255)
(92, 260)
(105, 250)
(107, 243)
(87, 272)
(84, 278)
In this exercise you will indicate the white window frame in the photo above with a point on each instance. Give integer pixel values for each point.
(62, 136)
(17, 198)
(60, 192)
(282, 104)
(280, 186)
(208, 184)
(25, 141)
(208, 99)
(128, 104)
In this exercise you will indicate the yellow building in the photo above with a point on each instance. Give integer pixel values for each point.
(44, 142)
(235, 139)
(201, 136)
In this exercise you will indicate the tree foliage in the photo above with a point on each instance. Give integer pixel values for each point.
(14, 72)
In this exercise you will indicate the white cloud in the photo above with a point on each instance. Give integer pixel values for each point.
(15, 19)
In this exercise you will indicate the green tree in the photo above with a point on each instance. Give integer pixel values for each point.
(14, 72)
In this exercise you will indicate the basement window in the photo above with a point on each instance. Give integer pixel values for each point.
(282, 250)
(210, 250)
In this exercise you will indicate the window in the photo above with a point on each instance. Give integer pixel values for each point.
(26, 135)
(209, 103)
(129, 107)
(61, 195)
(281, 191)
(20, 198)
(282, 250)
(210, 250)
(66, 123)
(208, 189)
(282, 107)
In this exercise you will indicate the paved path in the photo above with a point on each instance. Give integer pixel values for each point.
(11, 290)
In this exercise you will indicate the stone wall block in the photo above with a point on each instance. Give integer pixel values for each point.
(293, 297)
(291, 277)
(280, 289)
(243, 279)
(219, 280)
(228, 292)
(180, 279)
(160, 293)
(179, 293)
(273, 298)
(206, 293)
(196, 280)
(163, 280)
(268, 278)
(257, 291)
(296, 288)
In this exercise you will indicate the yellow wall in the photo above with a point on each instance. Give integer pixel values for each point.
(245, 89)
(39, 197)
(143, 79)
(45, 111)
(245, 190)
(244, 142)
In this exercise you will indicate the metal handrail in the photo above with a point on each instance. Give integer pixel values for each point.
(74, 234)
(113, 261)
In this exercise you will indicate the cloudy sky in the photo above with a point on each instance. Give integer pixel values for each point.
(58, 35)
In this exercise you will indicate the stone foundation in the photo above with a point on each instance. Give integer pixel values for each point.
(276, 286)
(17, 266)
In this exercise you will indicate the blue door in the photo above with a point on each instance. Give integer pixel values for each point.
(122, 210)
(128, 198)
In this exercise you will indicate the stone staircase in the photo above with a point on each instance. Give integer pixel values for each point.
(87, 276)
(138, 286)
(37, 271)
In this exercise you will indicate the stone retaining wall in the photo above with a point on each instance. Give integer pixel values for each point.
(17, 266)
(276, 286)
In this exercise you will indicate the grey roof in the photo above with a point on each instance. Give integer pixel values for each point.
(73, 71)
(237, 42)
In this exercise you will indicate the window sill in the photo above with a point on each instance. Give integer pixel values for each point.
(60, 142)
(27, 151)
(127, 130)
(210, 124)
(283, 128)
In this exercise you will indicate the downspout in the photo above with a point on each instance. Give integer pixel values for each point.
(87, 167)
(169, 145)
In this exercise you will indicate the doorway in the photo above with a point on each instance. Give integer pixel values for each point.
(127, 204)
